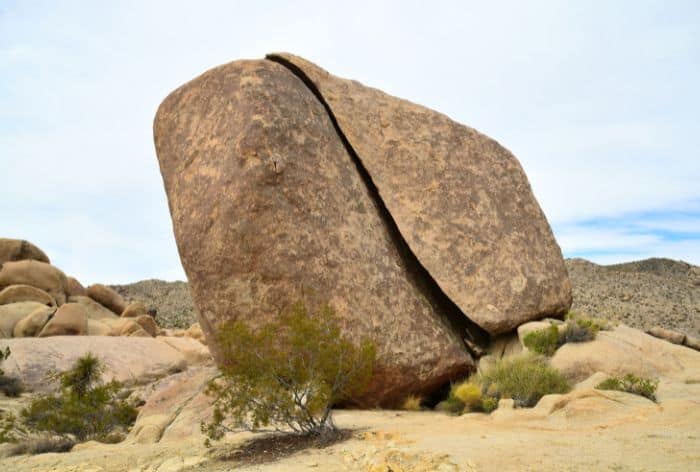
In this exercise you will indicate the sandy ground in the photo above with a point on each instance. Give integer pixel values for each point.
(584, 431)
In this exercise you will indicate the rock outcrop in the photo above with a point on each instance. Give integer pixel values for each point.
(284, 181)
(38, 299)
(18, 250)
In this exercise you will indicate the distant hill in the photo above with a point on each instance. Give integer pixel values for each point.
(642, 294)
(172, 300)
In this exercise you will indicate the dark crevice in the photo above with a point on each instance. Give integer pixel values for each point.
(469, 332)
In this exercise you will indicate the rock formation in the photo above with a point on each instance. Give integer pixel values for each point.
(39, 300)
(284, 181)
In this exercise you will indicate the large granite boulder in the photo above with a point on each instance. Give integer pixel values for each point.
(36, 274)
(266, 204)
(460, 199)
(12, 313)
(107, 297)
(283, 180)
(18, 250)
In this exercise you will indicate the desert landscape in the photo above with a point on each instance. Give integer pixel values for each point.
(372, 237)
(363, 294)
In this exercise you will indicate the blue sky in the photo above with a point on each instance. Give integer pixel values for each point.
(599, 100)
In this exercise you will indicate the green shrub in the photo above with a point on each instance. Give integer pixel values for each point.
(85, 408)
(450, 405)
(489, 404)
(546, 341)
(288, 373)
(543, 341)
(630, 383)
(591, 323)
(467, 393)
(525, 379)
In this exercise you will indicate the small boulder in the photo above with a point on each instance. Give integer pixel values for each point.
(148, 324)
(19, 250)
(134, 309)
(25, 293)
(74, 288)
(126, 327)
(69, 319)
(37, 274)
(94, 310)
(33, 323)
(692, 342)
(667, 334)
(107, 297)
(11, 314)
(98, 328)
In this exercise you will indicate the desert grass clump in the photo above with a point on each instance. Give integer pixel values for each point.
(543, 341)
(630, 383)
(86, 408)
(590, 323)
(467, 393)
(287, 374)
(524, 378)
(412, 403)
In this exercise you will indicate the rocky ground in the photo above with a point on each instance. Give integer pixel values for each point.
(641, 294)
(587, 429)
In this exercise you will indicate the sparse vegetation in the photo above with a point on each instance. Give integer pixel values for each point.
(287, 374)
(412, 403)
(630, 383)
(543, 341)
(10, 386)
(577, 329)
(86, 408)
(525, 379)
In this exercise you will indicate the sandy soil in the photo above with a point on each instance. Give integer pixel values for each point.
(590, 430)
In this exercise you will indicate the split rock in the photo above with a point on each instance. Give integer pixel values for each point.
(37, 274)
(267, 203)
(69, 319)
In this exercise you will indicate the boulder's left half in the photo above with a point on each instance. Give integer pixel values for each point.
(268, 206)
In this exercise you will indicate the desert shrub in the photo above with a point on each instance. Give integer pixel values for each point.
(450, 405)
(543, 341)
(630, 383)
(589, 322)
(489, 404)
(287, 374)
(525, 379)
(86, 408)
(412, 403)
(576, 333)
(467, 393)
(10, 386)
(546, 341)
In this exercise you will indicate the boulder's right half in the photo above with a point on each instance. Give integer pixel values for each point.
(461, 201)
(268, 206)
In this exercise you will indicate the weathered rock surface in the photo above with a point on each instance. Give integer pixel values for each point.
(266, 202)
(18, 250)
(107, 297)
(37, 274)
(627, 350)
(94, 310)
(12, 313)
(74, 288)
(34, 322)
(69, 319)
(133, 310)
(25, 293)
(461, 201)
(132, 360)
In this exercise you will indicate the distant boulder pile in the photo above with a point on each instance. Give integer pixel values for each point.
(38, 300)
